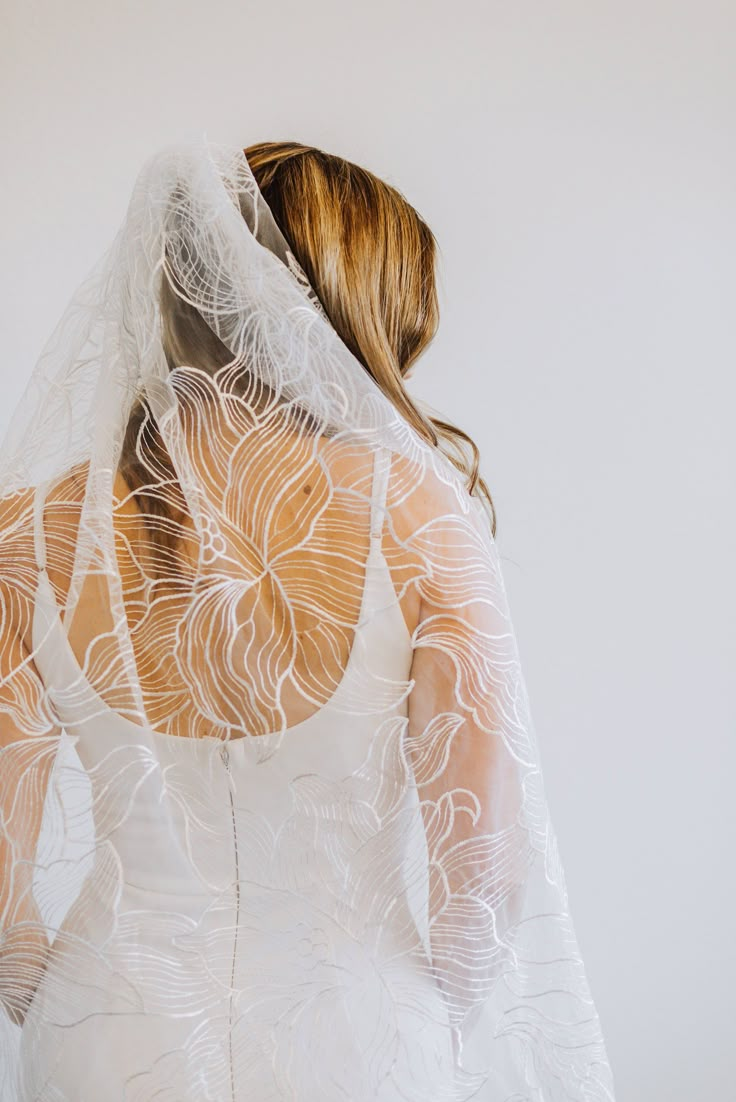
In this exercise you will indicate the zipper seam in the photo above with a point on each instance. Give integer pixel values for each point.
(225, 755)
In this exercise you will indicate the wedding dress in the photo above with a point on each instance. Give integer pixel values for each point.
(366, 903)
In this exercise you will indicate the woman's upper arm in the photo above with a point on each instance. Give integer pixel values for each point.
(29, 738)
(467, 727)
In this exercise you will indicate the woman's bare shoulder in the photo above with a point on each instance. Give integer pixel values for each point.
(422, 493)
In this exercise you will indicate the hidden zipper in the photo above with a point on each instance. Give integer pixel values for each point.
(225, 755)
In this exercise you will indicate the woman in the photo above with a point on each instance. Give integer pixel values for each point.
(273, 825)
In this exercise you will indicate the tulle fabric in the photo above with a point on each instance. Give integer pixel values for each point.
(272, 821)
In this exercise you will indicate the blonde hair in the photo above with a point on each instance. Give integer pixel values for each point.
(370, 258)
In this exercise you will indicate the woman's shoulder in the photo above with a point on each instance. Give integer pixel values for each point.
(427, 492)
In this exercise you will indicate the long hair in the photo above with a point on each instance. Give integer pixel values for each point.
(370, 259)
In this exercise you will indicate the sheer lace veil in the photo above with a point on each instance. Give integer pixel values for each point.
(202, 523)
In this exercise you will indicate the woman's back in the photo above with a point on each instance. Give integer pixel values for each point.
(284, 589)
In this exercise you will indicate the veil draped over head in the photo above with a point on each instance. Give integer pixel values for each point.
(272, 823)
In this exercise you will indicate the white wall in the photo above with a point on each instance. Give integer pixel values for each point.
(577, 162)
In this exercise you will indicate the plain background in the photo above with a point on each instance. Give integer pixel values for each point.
(577, 162)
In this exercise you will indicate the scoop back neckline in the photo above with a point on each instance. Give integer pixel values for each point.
(374, 551)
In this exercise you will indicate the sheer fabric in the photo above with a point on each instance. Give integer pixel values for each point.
(272, 821)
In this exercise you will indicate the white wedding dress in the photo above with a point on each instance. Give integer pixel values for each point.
(214, 952)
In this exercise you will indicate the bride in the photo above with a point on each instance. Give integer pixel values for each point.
(272, 820)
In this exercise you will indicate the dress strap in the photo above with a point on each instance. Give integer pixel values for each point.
(379, 489)
(39, 541)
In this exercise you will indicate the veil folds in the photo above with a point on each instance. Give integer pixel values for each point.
(256, 643)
